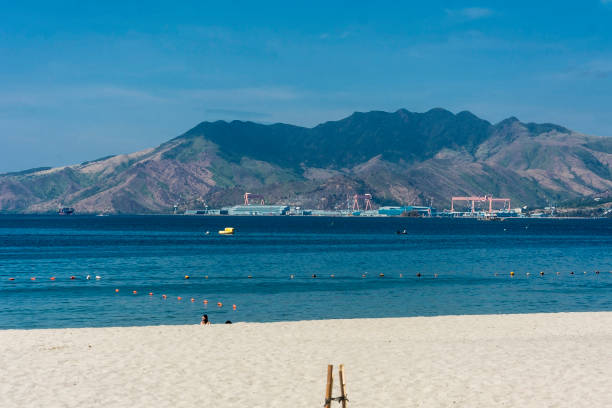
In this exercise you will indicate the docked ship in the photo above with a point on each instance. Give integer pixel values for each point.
(66, 211)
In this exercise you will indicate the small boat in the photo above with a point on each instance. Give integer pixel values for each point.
(66, 211)
(227, 231)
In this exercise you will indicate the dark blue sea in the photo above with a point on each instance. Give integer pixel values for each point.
(464, 268)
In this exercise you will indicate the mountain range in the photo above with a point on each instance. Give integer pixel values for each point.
(399, 157)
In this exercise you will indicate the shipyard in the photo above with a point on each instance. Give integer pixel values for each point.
(484, 207)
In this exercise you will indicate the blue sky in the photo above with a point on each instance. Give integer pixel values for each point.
(82, 80)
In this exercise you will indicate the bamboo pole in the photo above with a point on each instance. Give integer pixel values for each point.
(342, 386)
(328, 386)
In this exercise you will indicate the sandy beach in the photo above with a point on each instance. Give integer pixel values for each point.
(536, 360)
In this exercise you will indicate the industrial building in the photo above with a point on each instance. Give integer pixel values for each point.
(407, 209)
(254, 209)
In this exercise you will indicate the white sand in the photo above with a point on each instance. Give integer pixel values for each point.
(538, 360)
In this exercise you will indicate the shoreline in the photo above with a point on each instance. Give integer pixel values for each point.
(95, 214)
(339, 319)
(534, 360)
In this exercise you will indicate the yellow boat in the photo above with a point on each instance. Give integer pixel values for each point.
(227, 231)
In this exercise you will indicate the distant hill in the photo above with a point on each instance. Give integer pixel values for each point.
(400, 157)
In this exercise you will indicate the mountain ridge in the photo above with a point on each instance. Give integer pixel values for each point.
(400, 157)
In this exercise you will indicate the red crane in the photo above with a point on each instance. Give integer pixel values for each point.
(251, 196)
(367, 201)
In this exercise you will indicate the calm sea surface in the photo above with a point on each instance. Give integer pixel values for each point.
(458, 261)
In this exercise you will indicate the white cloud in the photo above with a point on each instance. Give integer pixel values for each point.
(470, 13)
(594, 69)
(56, 96)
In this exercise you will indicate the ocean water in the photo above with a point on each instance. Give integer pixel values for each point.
(464, 266)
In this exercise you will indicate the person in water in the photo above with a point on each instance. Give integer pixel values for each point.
(205, 321)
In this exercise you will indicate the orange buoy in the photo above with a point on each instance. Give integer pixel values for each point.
(52, 278)
(192, 299)
(11, 278)
(164, 296)
(116, 290)
(511, 273)
(134, 292)
(206, 277)
(179, 298)
(234, 307)
(219, 304)
(73, 277)
(33, 279)
(205, 301)
(186, 276)
(150, 293)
